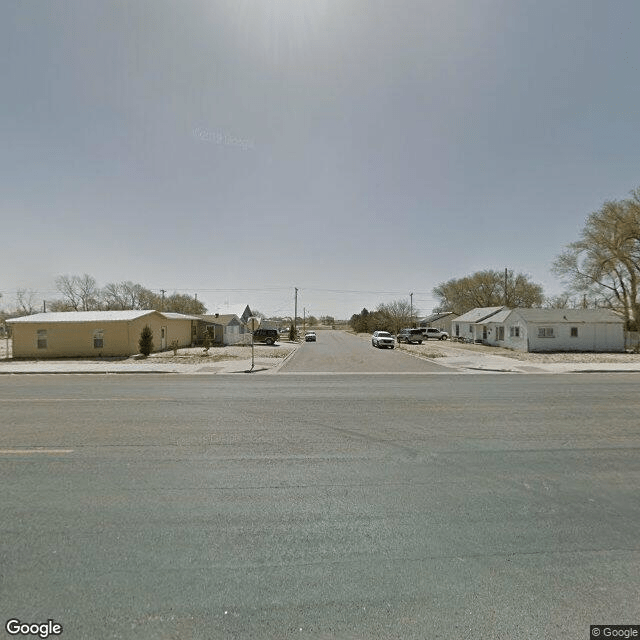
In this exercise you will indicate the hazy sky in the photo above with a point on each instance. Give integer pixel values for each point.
(358, 150)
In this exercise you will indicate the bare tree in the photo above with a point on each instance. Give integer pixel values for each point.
(182, 303)
(605, 262)
(488, 289)
(122, 295)
(67, 289)
(26, 302)
(79, 293)
(149, 300)
(396, 314)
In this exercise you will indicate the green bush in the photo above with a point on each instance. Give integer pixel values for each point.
(146, 341)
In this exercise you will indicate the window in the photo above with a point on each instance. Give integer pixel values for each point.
(545, 332)
(42, 338)
(574, 332)
(457, 330)
(98, 339)
(514, 332)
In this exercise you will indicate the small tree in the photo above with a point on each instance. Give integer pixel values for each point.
(146, 341)
(206, 343)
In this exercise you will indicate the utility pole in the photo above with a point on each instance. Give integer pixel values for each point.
(163, 292)
(411, 317)
(304, 319)
(295, 313)
(505, 286)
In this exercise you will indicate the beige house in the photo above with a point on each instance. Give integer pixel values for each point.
(97, 333)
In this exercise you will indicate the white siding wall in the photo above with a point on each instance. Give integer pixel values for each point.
(607, 337)
(518, 342)
(465, 330)
(591, 337)
(232, 334)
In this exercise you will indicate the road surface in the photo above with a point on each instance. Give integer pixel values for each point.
(355, 506)
(341, 352)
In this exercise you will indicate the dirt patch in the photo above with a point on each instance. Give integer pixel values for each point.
(446, 348)
(197, 355)
(458, 349)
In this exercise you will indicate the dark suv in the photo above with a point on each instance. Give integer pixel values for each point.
(410, 335)
(268, 336)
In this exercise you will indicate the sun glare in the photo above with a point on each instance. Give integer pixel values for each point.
(278, 30)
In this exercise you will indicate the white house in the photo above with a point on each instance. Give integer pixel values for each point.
(468, 327)
(549, 329)
(228, 328)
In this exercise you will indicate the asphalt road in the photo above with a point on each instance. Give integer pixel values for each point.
(157, 507)
(341, 352)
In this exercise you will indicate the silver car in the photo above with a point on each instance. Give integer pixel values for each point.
(382, 339)
(436, 334)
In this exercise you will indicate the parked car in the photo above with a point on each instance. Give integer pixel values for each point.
(268, 336)
(310, 336)
(409, 336)
(434, 333)
(382, 339)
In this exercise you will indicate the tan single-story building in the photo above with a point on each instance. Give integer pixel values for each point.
(99, 334)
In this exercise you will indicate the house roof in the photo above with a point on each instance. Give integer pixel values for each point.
(434, 317)
(478, 314)
(555, 316)
(501, 316)
(223, 319)
(239, 310)
(85, 316)
(572, 316)
(178, 316)
(98, 316)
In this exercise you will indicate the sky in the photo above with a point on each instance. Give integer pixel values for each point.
(357, 150)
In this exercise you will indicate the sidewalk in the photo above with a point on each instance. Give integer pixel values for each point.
(228, 360)
(268, 360)
(467, 360)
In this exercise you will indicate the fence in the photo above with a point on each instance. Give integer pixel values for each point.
(5, 348)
